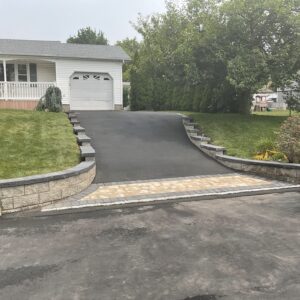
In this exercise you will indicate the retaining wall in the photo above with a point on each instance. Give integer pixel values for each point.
(35, 191)
(281, 171)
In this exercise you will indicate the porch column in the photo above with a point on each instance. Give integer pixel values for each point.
(5, 79)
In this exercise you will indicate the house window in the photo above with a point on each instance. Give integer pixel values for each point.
(1, 72)
(33, 72)
(10, 72)
(22, 72)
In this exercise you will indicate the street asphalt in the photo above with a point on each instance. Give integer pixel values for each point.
(143, 145)
(243, 248)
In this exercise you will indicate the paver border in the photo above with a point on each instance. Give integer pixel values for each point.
(280, 171)
(209, 194)
(29, 192)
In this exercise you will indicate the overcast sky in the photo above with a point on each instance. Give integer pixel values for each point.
(58, 19)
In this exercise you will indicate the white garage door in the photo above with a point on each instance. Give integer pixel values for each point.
(91, 91)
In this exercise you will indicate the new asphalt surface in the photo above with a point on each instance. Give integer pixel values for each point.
(231, 249)
(143, 145)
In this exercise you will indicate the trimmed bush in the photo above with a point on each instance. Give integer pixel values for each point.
(125, 96)
(51, 101)
(289, 139)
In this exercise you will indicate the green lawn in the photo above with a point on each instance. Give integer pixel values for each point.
(278, 113)
(240, 134)
(35, 142)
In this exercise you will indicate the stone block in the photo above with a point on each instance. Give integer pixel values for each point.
(12, 191)
(61, 184)
(89, 159)
(283, 172)
(50, 196)
(82, 138)
(28, 200)
(7, 203)
(87, 151)
(232, 165)
(36, 188)
(78, 129)
(118, 107)
(74, 122)
(66, 107)
(259, 169)
(70, 191)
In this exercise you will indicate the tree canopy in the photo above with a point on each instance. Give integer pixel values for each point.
(211, 55)
(131, 47)
(88, 36)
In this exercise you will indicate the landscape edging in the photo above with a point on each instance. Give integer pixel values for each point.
(29, 192)
(276, 170)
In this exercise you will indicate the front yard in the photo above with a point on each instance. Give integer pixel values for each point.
(241, 135)
(35, 142)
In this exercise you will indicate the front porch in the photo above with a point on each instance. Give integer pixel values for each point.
(23, 83)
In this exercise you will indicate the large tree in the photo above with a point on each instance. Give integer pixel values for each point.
(131, 47)
(210, 55)
(88, 36)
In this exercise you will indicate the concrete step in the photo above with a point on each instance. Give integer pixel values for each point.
(74, 121)
(78, 129)
(83, 139)
(87, 152)
(201, 138)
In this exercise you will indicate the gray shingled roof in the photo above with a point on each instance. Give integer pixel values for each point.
(58, 49)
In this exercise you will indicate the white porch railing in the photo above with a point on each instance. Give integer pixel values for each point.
(23, 90)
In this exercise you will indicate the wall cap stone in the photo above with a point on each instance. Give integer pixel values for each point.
(77, 170)
(212, 147)
(258, 162)
(83, 138)
(87, 151)
(78, 129)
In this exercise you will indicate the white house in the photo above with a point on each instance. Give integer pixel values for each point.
(89, 76)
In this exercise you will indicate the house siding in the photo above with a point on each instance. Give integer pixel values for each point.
(66, 67)
(59, 70)
(46, 72)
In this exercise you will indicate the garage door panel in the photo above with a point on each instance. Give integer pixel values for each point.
(91, 105)
(91, 91)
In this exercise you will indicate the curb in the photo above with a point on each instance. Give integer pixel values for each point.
(164, 200)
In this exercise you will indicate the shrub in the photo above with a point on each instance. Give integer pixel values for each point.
(125, 96)
(51, 101)
(266, 150)
(289, 139)
(41, 105)
(265, 144)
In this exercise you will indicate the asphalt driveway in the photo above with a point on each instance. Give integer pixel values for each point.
(231, 249)
(143, 145)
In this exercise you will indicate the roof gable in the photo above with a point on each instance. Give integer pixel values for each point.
(63, 50)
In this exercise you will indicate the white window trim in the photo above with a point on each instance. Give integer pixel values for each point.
(17, 70)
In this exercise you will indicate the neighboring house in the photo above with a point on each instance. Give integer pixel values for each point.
(266, 98)
(259, 102)
(89, 76)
